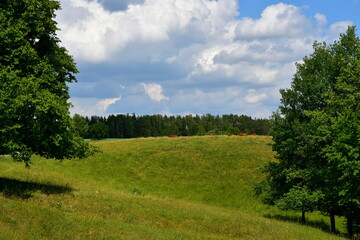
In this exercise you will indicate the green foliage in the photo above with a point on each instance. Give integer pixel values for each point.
(98, 130)
(22, 154)
(316, 132)
(215, 131)
(274, 186)
(200, 130)
(34, 71)
(81, 127)
(342, 120)
(300, 199)
(132, 126)
(233, 130)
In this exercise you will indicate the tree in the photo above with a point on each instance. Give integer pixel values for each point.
(34, 71)
(316, 129)
(232, 130)
(98, 130)
(81, 127)
(299, 199)
(341, 126)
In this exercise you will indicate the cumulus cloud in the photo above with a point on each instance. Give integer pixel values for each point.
(222, 101)
(339, 27)
(104, 104)
(92, 106)
(276, 21)
(209, 58)
(320, 19)
(106, 32)
(252, 97)
(154, 91)
(116, 5)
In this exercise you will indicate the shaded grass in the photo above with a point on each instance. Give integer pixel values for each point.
(153, 188)
(21, 189)
(320, 223)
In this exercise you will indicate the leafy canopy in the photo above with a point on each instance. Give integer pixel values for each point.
(34, 72)
(316, 134)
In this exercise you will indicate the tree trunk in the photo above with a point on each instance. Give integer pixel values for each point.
(332, 223)
(349, 226)
(303, 220)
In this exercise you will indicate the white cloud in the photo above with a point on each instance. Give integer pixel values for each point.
(198, 101)
(339, 27)
(252, 97)
(95, 34)
(92, 106)
(320, 19)
(154, 91)
(276, 21)
(166, 111)
(104, 104)
(209, 59)
(224, 101)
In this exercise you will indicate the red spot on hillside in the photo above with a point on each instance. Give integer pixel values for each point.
(241, 134)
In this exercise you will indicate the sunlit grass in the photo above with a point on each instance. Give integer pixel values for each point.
(148, 188)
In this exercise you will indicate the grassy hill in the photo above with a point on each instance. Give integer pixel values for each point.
(151, 188)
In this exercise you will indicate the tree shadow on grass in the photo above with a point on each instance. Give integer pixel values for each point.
(321, 224)
(12, 188)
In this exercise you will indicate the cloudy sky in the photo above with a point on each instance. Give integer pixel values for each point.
(192, 56)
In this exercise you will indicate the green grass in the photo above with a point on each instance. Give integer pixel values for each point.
(102, 140)
(148, 188)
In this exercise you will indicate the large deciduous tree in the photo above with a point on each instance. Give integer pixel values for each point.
(339, 126)
(316, 133)
(34, 72)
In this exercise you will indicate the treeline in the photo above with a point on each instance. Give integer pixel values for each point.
(132, 126)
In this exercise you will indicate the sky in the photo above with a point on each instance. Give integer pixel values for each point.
(179, 57)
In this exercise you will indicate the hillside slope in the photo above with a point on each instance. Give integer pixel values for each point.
(151, 188)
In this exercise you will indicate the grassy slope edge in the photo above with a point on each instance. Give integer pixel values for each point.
(153, 188)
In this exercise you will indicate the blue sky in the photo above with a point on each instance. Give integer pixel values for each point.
(334, 10)
(180, 57)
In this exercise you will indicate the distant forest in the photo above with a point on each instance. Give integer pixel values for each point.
(132, 126)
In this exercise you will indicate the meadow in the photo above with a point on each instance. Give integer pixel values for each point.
(149, 188)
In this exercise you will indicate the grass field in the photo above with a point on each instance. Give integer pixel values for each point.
(149, 188)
